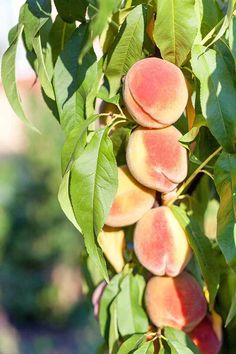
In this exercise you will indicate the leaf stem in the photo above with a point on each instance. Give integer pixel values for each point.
(116, 122)
(193, 175)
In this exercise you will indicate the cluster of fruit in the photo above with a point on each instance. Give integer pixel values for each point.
(155, 94)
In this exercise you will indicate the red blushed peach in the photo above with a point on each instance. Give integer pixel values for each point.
(160, 243)
(205, 338)
(156, 158)
(176, 302)
(131, 202)
(155, 91)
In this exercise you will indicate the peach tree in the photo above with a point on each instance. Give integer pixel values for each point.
(144, 91)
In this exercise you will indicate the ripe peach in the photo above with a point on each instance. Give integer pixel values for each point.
(160, 243)
(176, 302)
(155, 92)
(112, 242)
(131, 202)
(205, 338)
(156, 158)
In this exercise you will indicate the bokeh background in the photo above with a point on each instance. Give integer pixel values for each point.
(43, 304)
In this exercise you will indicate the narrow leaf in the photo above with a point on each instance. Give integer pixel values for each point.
(9, 78)
(131, 316)
(110, 292)
(225, 181)
(71, 10)
(75, 143)
(217, 90)
(113, 329)
(92, 190)
(60, 33)
(232, 37)
(34, 16)
(103, 12)
(226, 22)
(146, 348)
(199, 122)
(179, 341)
(73, 81)
(64, 200)
(175, 29)
(42, 72)
(127, 48)
(132, 343)
(232, 312)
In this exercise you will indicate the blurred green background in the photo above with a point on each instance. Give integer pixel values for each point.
(42, 306)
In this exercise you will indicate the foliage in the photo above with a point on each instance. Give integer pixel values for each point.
(199, 37)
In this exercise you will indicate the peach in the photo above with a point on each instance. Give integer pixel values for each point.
(131, 201)
(160, 243)
(205, 338)
(96, 297)
(112, 242)
(156, 158)
(155, 92)
(176, 302)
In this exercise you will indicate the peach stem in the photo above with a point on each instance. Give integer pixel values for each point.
(193, 175)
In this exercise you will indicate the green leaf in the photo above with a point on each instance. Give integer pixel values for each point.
(175, 29)
(73, 82)
(164, 350)
(71, 10)
(60, 33)
(225, 181)
(179, 341)
(94, 183)
(131, 316)
(127, 47)
(103, 12)
(226, 22)
(112, 28)
(146, 348)
(64, 200)
(44, 76)
(232, 312)
(93, 187)
(232, 37)
(132, 343)
(203, 251)
(75, 143)
(113, 329)
(199, 122)
(109, 294)
(104, 96)
(211, 16)
(34, 16)
(217, 90)
(120, 138)
(9, 78)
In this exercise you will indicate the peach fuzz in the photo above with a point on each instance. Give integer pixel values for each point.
(131, 201)
(112, 242)
(205, 338)
(160, 243)
(156, 159)
(155, 92)
(176, 302)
